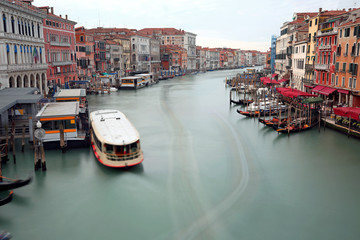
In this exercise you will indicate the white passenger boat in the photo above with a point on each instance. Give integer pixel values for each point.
(114, 140)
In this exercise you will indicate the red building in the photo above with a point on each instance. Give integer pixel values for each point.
(85, 54)
(100, 55)
(59, 36)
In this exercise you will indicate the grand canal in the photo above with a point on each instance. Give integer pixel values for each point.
(208, 173)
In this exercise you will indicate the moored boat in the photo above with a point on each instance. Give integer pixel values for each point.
(114, 139)
(9, 184)
(6, 199)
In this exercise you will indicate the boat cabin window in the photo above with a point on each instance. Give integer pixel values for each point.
(109, 148)
(97, 142)
(55, 125)
(127, 80)
(122, 149)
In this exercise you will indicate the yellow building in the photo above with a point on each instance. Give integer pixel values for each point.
(313, 29)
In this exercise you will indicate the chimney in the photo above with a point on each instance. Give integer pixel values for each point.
(52, 10)
(66, 17)
(320, 9)
(60, 15)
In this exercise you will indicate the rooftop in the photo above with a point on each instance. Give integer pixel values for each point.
(59, 109)
(9, 97)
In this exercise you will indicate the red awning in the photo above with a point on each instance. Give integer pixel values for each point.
(327, 91)
(352, 112)
(269, 81)
(292, 93)
(343, 91)
(274, 74)
(308, 86)
(317, 89)
(283, 80)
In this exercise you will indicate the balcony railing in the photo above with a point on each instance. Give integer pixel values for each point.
(62, 63)
(24, 67)
(322, 66)
(60, 44)
(309, 67)
(326, 47)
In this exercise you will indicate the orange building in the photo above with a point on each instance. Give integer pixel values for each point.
(347, 61)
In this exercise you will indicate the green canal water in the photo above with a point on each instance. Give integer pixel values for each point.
(208, 173)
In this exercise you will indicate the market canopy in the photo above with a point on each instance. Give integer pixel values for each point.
(293, 93)
(350, 112)
(266, 80)
(274, 74)
(312, 100)
(323, 90)
(283, 80)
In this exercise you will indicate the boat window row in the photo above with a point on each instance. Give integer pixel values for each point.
(122, 149)
(127, 81)
(55, 125)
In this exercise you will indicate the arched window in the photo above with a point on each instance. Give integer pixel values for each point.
(15, 54)
(38, 27)
(12, 24)
(26, 28)
(8, 54)
(19, 27)
(33, 30)
(22, 28)
(40, 55)
(29, 28)
(4, 22)
(346, 50)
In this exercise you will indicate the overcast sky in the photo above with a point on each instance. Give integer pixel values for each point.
(218, 23)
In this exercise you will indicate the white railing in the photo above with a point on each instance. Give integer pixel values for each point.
(60, 44)
(326, 47)
(62, 63)
(322, 66)
(26, 67)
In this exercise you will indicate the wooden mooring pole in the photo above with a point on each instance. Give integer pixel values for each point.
(62, 138)
(23, 139)
(13, 141)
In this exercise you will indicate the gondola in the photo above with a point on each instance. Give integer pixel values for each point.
(294, 128)
(13, 183)
(6, 199)
(274, 121)
(241, 101)
(248, 113)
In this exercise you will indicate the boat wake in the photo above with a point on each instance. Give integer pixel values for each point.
(212, 215)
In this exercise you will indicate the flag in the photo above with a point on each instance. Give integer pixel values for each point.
(35, 55)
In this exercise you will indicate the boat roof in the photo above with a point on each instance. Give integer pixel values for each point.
(59, 109)
(114, 127)
(64, 93)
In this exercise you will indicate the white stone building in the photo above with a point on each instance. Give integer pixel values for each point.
(140, 53)
(281, 46)
(190, 46)
(298, 65)
(22, 51)
(212, 59)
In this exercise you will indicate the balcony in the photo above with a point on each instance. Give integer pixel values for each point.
(322, 67)
(309, 67)
(326, 47)
(23, 67)
(60, 44)
(61, 63)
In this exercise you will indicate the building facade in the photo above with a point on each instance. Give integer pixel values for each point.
(60, 44)
(22, 49)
